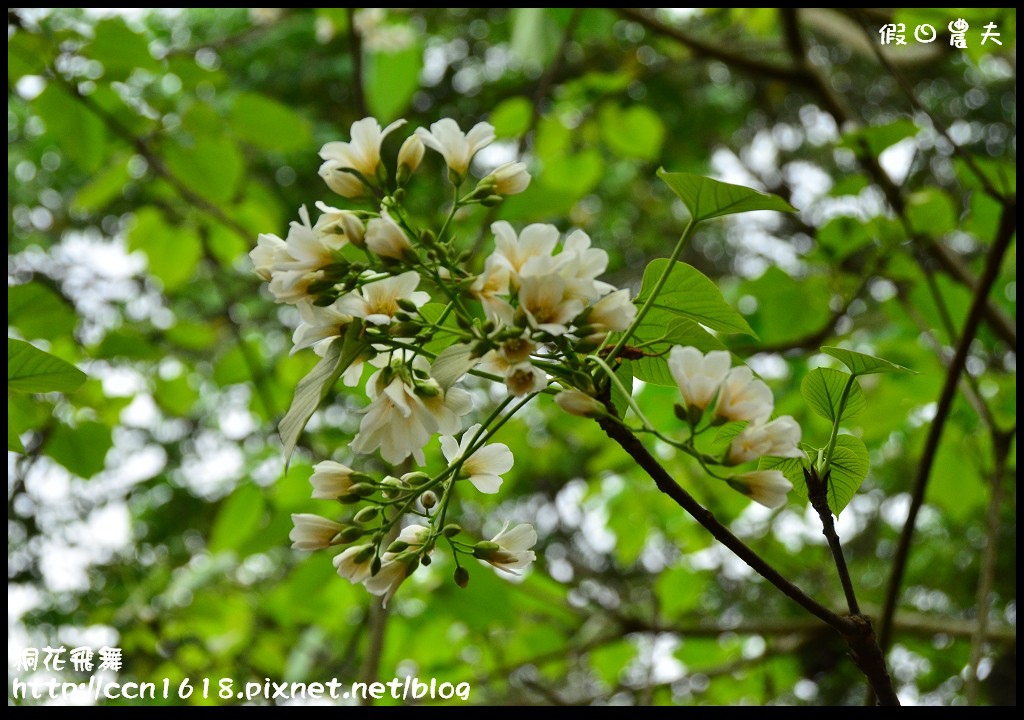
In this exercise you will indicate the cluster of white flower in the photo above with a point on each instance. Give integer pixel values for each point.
(711, 386)
(365, 269)
(533, 297)
(537, 314)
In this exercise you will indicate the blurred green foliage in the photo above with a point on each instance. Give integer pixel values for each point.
(150, 507)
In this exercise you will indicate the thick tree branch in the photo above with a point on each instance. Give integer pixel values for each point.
(1004, 236)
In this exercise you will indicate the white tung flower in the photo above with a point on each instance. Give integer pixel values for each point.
(385, 238)
(483, 467)
(547, 306)
(509, 179)
(377, 302)
(355, 563)
(410, 155)
(391, 574)
(396, 567)
(580, 265)
(767, 487)
(458, 148)
(612, 313)
(524, 378)
(340, 222)
(295, 262)
(330, 480)
(744, 397)
(536, 242)
(269, 253)
(361, 154)
(312, 532)
(698, 376)
(513, 551)
(405, 412)
(318, 324)
(778, 438)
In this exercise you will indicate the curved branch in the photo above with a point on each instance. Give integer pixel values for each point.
(1004, 236)
(855, 629)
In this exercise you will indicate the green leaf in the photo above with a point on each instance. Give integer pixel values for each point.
(706, 198)
(29, 369)
(238, 519)
(81, 449)
(173, 252)
(877, 139)
(664, 330)
(576, 174)
(211, 166)
(313, 388)
(932, 213)
(38, 311)
(850, 464)
(535, 37)
(13, 441)
(822, 388)
(103, 188)
(511, 118)
(725, 435)
(392, 78)
(792, 468)
(75, 130)
(120, 49)
(451, 364)
(269, 124)
(861, 364)
(636, 132)
(689, 293)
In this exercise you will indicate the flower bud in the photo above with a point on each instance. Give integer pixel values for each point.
(363, 490)
(367, 514)
(415, 479)
(350, 534)
(451, 530)
(428, 499)
(485, 549)
(575, 402)
(410, 155)
(461, 577)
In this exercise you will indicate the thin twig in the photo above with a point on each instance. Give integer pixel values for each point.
(817, 494)
(993, 261)
(192, 198)
(758, 68)
(988, 563)
(855, 629)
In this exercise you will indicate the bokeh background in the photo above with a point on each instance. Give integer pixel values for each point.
(149, 510)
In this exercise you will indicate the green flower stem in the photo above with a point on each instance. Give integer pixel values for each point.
(629, 396)
(830, 448)
(684, 240)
